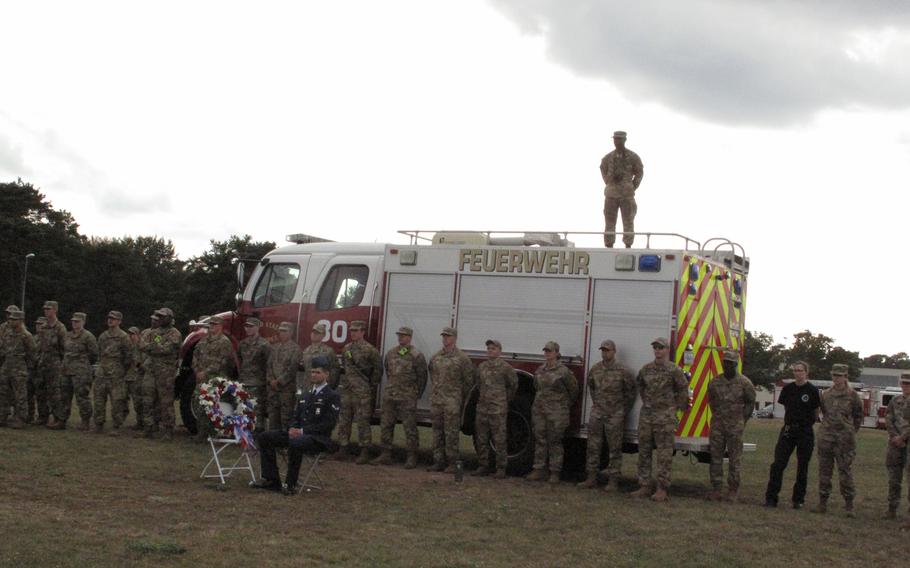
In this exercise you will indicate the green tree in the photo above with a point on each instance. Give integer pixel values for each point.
(897, 361)
(762, 358)
(210, 281)
(820, 353)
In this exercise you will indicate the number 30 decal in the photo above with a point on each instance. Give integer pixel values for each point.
(338, 331)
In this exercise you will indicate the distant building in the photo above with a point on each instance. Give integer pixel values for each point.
(874, 377)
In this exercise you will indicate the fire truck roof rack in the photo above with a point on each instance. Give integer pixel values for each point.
(303, 239)
(529, 238)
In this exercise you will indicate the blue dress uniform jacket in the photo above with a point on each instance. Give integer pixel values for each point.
(316, 414)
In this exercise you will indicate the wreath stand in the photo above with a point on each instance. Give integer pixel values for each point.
(219, 468)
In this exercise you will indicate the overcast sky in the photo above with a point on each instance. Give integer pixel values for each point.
(783, 125)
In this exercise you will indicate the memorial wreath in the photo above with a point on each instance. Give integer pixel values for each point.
(220, 394)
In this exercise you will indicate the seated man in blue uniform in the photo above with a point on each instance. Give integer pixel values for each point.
(309, 433)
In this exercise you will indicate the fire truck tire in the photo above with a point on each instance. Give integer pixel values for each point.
(520, 437)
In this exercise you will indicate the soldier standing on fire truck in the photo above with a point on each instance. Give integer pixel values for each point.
(622, 172)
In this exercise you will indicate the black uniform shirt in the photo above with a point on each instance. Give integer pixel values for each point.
(801, 403)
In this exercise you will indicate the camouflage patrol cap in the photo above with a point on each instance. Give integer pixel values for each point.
(619, 134)
(114, 314)
(320, 362)
(12, 308)
(551, 346)
(660, 341)
(216, 320)
(607, 344)
(78, 316)
(133, 331)
(17, 315)
(905, 378)
(155, 315)
(50, 305)
(839, 369)
(40, 320)
(404, 330)
(449, 331)
(252, 322)
(164, 313)
(286, 326)
(319, 328)
(358, 324)
(493, 342)
(731, 355)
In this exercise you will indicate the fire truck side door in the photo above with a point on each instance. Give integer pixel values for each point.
(277, 292)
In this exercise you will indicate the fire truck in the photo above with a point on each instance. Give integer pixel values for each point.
(523, 289)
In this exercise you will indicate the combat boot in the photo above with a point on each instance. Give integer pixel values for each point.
(411, 462)
(115, 431)
(590, 482)
(891, 514)
(167, 435)
(449, 469)
(57, 425)
(732, 495)
(385, 458)
(500, 473)
(51, 423)
(481, 471)
(139, 427)
(848, 507)
(554, 477)
(536, 475)
(660, 496)
(437, 466)
(714, 495)
(85, 425)
(822, 506)
(16, 424)
(99, 428)
(364, 456)
(642, 492)
(41, 421)
(343, 454)
(612, 485)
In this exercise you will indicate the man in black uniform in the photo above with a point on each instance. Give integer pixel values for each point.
(802, 401)
(309, 433)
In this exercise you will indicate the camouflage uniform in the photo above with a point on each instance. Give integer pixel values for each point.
(612, 388)
(664, 391)
(556, 390)
(731, 402)
(406, 370)
(497, 382)
(842, 415)
(362, 371)
(453, 377)
(51, 339)
(115, 355)
(17, 354)
(312, 351)
(254, 359)
(80, 353)
(147, 392)
(133, 381)
(213, 357)
(162, 349)
(622, 172)
(282, 367)
(895, 458)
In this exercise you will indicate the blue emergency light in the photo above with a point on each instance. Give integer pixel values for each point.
(649, 263)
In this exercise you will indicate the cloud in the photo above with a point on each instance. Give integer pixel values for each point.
(757, 62)
(11, 158)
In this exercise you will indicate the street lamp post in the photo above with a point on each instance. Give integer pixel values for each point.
(25, 277)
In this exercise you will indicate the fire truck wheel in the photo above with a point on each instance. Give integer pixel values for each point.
(521, 436)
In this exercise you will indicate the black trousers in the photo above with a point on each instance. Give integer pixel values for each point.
(801, 439)
(268, 441)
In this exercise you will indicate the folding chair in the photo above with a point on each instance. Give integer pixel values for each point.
(221, 471)
(312, 480)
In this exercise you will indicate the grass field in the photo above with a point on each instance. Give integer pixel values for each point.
(75, 499)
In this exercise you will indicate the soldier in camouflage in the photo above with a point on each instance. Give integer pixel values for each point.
(17, 353)
(842, 416)
(622, 172)
(316, 348)
(51, 340)
(3, 328)
(664, 391)
(362, 372)
(147, 390)
(115, 355)
(162, 350)
(896, 455)
(31, 402)
(905, 435)
(406, 369)
(453, 378)
(133, 380)
(253, 352)
(497, 383)
(79, 354)
(281, 375)
(213, 357)
(731, 397)
(612, 388)
(556, 390)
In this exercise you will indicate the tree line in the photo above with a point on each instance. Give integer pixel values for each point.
(134, 275)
